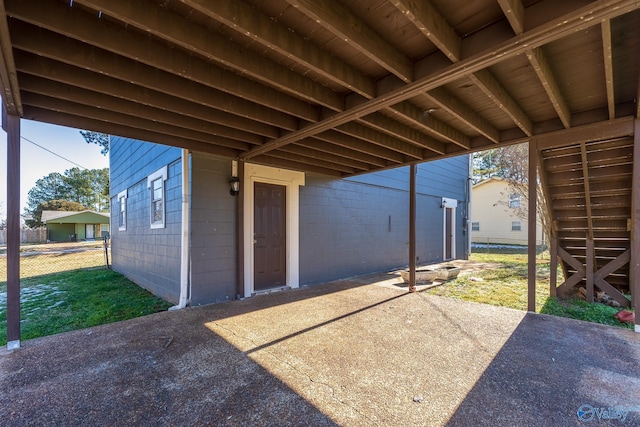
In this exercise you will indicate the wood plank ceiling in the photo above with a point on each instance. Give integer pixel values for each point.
(337, 87)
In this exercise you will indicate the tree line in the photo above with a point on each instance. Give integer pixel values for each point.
(74, 190)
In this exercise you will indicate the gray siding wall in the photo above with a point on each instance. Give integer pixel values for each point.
(446, 177)
(347, 227)
(149, 257)
(213, 231)
(361, 224)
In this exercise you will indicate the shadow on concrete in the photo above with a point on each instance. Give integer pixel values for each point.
(163, 369)
(551, 368)
(152, 372)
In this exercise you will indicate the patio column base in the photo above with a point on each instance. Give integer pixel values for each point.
(15, 344)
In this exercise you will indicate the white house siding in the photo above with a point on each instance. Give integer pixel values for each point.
(490, 210)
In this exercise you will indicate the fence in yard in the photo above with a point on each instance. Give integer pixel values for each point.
(40, 259)
(27, 235)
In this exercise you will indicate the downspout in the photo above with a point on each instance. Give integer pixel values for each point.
(469, 192)
(184, 240)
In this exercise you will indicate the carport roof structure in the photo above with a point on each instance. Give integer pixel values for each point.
(335, 87)
(339, 87)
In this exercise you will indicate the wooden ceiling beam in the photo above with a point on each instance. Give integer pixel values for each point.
(346, 141)
(429, 21)
(77, 95)
(365, 133)
(161, 24)
(433, 25)
(396, 129)
(78, 54)
(101, 33)
(337, 156)
(358, 157)
(462, 112)
(352, 30)
(499, 95)
(578, 20)
(250, 22)
(407, 112)
(309, 159)
(170, 26)
(82, 122)
(514, 11)
(109, 115)
(270, 160)
(608, 67)
(431, 124)
(70, 75)
(246, 20)
(8, 75)
(552, 88)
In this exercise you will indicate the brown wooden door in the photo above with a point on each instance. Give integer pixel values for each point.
(269, 236)
(448, 219)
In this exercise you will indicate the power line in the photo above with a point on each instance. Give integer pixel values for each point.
(55, 154)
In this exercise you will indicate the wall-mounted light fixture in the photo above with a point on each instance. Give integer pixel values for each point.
(234, 185)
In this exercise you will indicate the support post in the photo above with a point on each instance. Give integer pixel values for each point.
(553, 265)
(412, 228)
(590, 268)
(532, 212)
(11, 125)
(240, 230)
(634, 262)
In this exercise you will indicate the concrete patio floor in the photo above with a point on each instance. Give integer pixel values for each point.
(361, 352)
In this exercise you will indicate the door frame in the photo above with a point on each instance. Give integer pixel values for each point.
(291, 180)
(449, 204)
(86, 229)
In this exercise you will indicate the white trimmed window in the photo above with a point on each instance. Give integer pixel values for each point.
(155, 183)
(475, 226)
(514, 201)
(516, 226)
(122, 210)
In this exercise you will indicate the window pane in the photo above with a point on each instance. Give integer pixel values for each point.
(121, 215)
(475, 226)
(514, 200)
(157, 211)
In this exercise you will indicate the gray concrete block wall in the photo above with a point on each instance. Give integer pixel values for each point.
(132, 161)
(349, 228)
(149, 257)
(213, 231)
(445, 177)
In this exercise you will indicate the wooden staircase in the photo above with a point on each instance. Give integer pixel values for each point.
(588, 189)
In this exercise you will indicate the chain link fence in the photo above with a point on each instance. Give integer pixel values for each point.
(48, 258)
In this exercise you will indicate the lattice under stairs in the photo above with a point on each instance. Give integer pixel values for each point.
(588, 188)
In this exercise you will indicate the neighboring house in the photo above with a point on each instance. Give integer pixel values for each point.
(65, 226)
(494, 218)
(299, 228)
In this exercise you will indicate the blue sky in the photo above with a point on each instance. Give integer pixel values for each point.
(36, 162)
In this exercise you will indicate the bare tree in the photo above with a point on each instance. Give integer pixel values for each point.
(513, 163)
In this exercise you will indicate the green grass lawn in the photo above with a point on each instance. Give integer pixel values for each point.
(507, 287)
(71, 300)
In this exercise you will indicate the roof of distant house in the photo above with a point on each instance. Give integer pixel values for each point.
(56, 215)
(486, 181)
